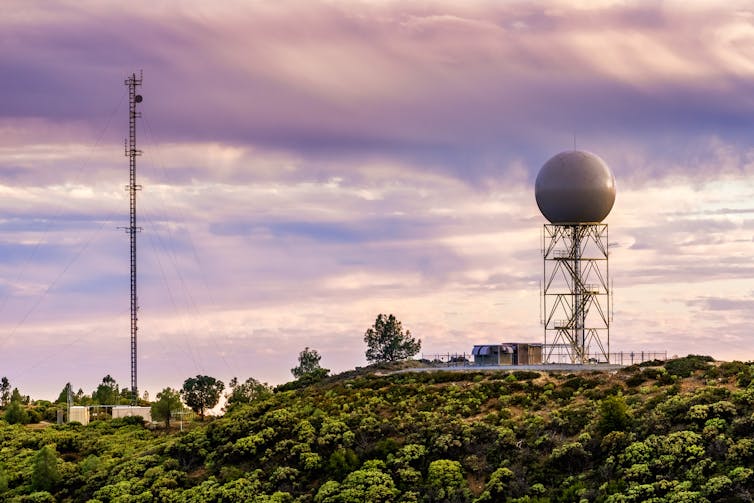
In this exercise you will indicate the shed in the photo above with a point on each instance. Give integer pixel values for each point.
(79, 413)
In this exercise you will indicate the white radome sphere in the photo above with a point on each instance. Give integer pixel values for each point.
(575, 187)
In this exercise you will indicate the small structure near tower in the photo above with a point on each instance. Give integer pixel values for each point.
(508, 353)
(575, 191)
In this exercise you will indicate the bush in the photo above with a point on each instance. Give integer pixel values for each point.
(436, 436)
(445, 482)
(613, 415)
(636, 379)
(684, 367)
(45, 475)
(38, 497)
(119, 422)
(526, 375)
(34, 416)
(16, 414)
(651, 363)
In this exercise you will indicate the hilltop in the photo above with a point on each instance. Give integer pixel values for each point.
(665, 431)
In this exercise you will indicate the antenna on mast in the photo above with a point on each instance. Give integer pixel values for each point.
(132, 152)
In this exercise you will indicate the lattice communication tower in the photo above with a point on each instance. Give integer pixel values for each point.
(575, 191)
(132, 82)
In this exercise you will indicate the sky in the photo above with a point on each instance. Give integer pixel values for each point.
(308, 165)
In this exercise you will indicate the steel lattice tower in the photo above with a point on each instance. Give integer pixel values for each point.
(132, 152)
(575, 191)
(576, 292)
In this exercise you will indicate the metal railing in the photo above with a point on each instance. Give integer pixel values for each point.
(558, 356)
(564, 355)
(448, 359)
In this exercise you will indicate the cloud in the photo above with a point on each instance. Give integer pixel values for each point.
(723, 304)
(448, 84)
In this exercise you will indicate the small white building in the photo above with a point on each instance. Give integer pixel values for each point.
(79, 413)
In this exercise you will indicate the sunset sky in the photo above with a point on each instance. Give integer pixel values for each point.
(310, 164)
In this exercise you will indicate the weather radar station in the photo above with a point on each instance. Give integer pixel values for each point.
(575, 191)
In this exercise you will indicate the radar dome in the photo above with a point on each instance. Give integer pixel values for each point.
(575, 187)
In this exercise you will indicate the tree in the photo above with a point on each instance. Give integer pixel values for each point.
(168, 400)
(81, 399)
(3, 481)
(496, 487)
(445, 482)
(4, 391)
(107, 392)
(308, 365)
(366, 484)
(63, 396)
(45, 474)
(386, 341)
(613, 414)
(126, 394)
(16, 414)
(201, 392)
(16, 396)
(246, 392)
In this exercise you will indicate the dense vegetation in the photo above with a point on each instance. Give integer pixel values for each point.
(678, 431)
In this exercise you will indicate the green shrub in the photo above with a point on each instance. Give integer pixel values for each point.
(613, 415)
(637, 379)
(445, 482)
(526, 375)
(45, 475)
(684, 367)
(15, 413)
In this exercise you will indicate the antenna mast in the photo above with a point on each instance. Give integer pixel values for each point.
(132, 152)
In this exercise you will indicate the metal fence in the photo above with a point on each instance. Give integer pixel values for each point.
(558, 357)
(562, 354)
(448, 359)
(634, 357)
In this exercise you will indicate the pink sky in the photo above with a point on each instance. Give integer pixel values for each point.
(308, 165)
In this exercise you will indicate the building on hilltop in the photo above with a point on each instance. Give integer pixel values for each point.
(508, 353)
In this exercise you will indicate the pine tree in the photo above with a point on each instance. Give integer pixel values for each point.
(308, 365)
(45, 475)
(168, 400)
(386, 341)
